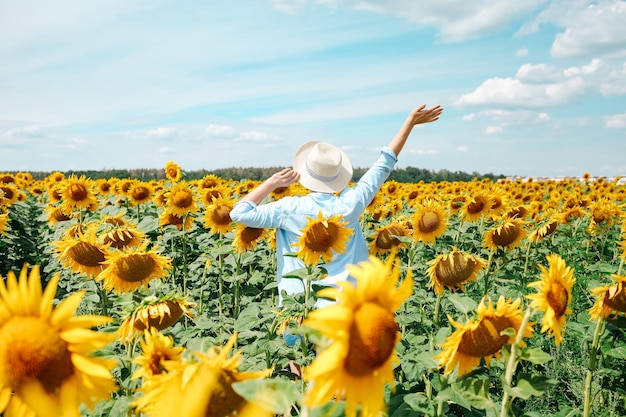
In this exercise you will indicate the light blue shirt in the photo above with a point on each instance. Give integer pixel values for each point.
(289, 216)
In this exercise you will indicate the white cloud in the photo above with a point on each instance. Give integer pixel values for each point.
(161, 132)
(545, 85)
(516, 117)
(456, 20)
(220, 131)
(492, 130)
(463, 148)
(616, 121)
(75, 143)
(591, 27)
(468, 117)
(522, 52)
(423, 151)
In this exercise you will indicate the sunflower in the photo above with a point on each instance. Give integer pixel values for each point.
(479, 206)
(554, 296)
(46, 363)
(129, 270)
(166, 219)
(200, 386)
(508, 233)
(140, 192)
(217, 215)
(610, 300)
(120, 237)
(386, 240)
(158, 355)
(181, 199)
(429, 221)
(482, 338)
(362, 330)
(9, 194)
(453, 269)
(77, 193)
(208, 195)
(545, 229)
(247, 238)
(323, 237)
(154, 312)
(173, 171)
(82, 253)
(4, 222)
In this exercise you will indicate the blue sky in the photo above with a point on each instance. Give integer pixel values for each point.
(530, 88)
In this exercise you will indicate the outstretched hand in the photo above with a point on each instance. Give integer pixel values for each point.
(422, 115)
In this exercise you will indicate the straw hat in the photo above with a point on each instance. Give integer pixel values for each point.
(322, 167)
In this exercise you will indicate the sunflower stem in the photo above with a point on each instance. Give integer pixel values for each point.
(184, 248)
(437, 310)
(105, 301)
(621, 264)
(486, 274)
(526, 261)
(591, 368)
(220, 286)
(511, 365)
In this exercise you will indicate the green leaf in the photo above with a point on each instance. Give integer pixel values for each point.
(535, 355)
(273, 394)
(462, 303)
(529, 385)
(618, 352)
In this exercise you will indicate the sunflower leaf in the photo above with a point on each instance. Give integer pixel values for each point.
(535, 355)
(529, 385)
(463, 303)
(273, 394)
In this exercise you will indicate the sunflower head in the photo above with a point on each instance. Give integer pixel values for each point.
(82, 253)
(132, 268)
(46, 362)
(453, 270)
(173, 171)
(199, 386)
(482, 338)
(507, 234)
(158, 355)
(386, 239)
(247, 238)
(364, 332)
(217, 216)
(554, 295)
(323, 238)
(610, 300)
(429, 221)
(154, 312)
(181, 199)
(479, 206)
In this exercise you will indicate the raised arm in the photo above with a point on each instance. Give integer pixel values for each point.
(284, 178)
(418, 116)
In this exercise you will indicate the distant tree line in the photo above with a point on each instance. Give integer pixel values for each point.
(407, 175)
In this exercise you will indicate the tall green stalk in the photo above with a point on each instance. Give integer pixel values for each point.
(512, 363)
(591, 367)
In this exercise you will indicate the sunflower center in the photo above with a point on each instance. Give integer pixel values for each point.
(486, 339)
(221, 215)
(31, 349)
(86, 254)
(455, 269)
(505, 235)
(141, 193)
(476, 206)
(224, 400)
(250, 234)
(387, 238)
(372, 339)
(321, 238)
(158, 317)
(557, 298)
(618, 301)
(135, 267)
(77, 192)
(429, 222)
(182, 199)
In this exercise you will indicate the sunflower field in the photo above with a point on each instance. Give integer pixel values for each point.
(122, 297)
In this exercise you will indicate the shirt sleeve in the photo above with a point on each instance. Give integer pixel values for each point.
(369, 184)
(250, 214)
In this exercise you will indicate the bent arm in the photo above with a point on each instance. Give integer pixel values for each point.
(418, 116)
(284, 178)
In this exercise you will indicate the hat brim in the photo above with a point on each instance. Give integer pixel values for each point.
(339, 183)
